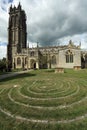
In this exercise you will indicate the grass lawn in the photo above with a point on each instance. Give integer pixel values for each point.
(1, 73)
(44, 100)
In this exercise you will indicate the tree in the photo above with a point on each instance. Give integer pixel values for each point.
(3, 65)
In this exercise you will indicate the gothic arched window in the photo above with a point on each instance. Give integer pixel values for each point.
(18, 61)
(32, 53)
(12, 20)
(53, 60)
(69, 57)
(13, 35)
(16, 36)
(16, 20)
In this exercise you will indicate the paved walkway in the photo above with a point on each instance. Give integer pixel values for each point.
(11, 74)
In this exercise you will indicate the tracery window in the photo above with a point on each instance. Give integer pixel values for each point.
(69, 57)
(12, 20)
(32, 53)
(16, 19)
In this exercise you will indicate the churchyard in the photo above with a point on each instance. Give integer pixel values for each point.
(44, 100)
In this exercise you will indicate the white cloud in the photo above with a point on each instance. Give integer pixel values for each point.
(50, 21)
(3, 51)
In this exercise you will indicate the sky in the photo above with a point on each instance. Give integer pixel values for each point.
(49, 22)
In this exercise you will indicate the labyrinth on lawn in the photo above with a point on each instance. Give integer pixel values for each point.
(45, 98)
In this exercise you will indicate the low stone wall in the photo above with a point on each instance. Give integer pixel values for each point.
(59, 70)
(77, 67)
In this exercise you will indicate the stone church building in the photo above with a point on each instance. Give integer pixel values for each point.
(20, 56)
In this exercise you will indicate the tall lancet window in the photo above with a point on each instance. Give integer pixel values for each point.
(12, 20)
(16, 20)
(69, 57)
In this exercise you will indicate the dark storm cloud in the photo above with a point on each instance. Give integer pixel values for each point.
(56, 19)
(48, 21)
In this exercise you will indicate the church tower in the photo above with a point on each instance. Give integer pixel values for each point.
(17, 33)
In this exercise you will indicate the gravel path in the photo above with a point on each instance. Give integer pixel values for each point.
(11, 74)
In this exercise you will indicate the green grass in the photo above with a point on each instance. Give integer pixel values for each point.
(44, 95)
(1, 73)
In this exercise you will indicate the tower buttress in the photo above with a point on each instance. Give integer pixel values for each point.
(17, 32)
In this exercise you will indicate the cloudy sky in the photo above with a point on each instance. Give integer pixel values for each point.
(49, 22)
